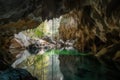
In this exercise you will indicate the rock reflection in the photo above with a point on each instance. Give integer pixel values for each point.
(44, 67)
(49, 66)
(86, 68)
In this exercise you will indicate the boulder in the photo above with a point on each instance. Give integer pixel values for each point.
(16, 74)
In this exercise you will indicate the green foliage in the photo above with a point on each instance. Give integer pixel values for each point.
(37, 32)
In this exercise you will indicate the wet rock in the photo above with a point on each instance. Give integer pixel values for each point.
(16, 74)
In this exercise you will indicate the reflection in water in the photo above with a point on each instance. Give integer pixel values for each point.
(81, 68)
(44, 67)
(87, 68)
(69, 67)
(21, 57)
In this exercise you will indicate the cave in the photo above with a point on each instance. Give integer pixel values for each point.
(59, 40)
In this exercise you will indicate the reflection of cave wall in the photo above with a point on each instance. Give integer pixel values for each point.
(87, 68)
(79, 67)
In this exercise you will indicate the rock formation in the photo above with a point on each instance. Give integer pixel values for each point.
(16, 74)
(93, 24)
(93, 27)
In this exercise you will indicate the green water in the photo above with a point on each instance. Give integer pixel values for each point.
(65, 52)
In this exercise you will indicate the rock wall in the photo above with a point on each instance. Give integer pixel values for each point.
(93, 26)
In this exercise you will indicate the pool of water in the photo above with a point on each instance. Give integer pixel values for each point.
(55, 65)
